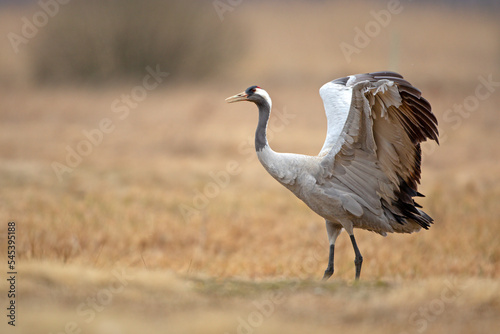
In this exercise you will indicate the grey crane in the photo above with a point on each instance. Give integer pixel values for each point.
(367, 172)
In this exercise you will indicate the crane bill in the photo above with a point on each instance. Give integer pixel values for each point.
(238, 97)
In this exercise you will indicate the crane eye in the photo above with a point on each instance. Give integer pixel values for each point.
(254, 90)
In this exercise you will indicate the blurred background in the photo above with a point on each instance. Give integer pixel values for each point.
(115, 143)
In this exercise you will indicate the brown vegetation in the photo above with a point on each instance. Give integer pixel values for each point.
(124, 205)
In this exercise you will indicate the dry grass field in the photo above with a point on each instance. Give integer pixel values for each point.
(166, 222)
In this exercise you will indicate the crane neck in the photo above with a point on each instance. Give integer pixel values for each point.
(261, 132)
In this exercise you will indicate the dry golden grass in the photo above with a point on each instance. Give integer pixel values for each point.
(120, 208)
(55, 296)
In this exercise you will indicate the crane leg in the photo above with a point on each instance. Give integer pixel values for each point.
(329, 269)
(358, 261)
(333, 232)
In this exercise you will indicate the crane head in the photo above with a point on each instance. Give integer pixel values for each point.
(253, 94)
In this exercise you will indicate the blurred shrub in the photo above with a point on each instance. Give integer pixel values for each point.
(94, 41)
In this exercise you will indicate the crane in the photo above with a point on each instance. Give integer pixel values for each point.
(366, 174)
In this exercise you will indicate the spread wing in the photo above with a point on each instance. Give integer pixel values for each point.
(372, 154)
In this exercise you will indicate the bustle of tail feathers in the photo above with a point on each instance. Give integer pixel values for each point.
(408, 208)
